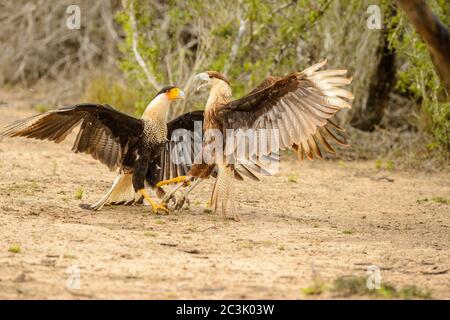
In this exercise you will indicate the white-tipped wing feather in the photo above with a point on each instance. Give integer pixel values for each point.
(299, 105)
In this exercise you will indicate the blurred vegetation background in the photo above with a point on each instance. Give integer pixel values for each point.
(126, 50)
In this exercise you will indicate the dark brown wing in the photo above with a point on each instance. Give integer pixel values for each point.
(105, 133)
(267, 82)
(299, 105)
(182, 133)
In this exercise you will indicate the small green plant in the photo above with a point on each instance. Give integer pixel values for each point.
(316, 288)
(159, 221)
(378, 164)
(348, 232)
(385, 291)
(413, 292)
(41, 108)
(390, 165)
(79, 193)
(342, 164)
(292, 178)
(149, 234)
(30, 188)
(14, 249)
(442, 200)
(357, 286)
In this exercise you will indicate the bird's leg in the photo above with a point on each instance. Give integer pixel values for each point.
(180, 202)
(173, 180)
(172, 192)
(154, 205)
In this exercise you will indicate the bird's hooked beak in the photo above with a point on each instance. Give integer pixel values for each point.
(203, 77)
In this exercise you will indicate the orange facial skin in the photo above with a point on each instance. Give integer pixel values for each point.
(174, 93)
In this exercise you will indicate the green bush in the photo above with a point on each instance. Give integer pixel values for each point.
(417, 76)
(182, 38)
(178, 39)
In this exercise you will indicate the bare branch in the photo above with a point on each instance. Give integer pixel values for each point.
(135, 38)
(236, 43)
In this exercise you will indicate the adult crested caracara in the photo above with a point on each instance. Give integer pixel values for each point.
(135, 146)
(298, 106)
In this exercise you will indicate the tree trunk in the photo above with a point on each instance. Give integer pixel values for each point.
(434, 33)
(381, 83)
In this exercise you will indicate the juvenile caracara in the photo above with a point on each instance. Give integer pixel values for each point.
(299, 105)
(135, 146)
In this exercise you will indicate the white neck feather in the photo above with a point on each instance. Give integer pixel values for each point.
(220, 93)
(157, 109)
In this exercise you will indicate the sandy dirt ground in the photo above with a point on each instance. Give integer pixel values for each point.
(327, 218)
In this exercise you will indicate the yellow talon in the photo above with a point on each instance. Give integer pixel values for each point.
(173, 180)
(155, 206)
(161, 207)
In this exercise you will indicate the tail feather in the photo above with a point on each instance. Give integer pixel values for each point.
(121, 192)
(222, 195)
(124, 192)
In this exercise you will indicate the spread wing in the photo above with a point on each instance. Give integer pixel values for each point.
(300, 105)
(180, 150)
(105, 133)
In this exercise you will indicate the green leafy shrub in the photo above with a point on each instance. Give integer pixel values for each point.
(14, 249)
(181, 38)
(417, 76)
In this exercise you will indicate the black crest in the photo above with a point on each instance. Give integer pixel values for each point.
(165, 89)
